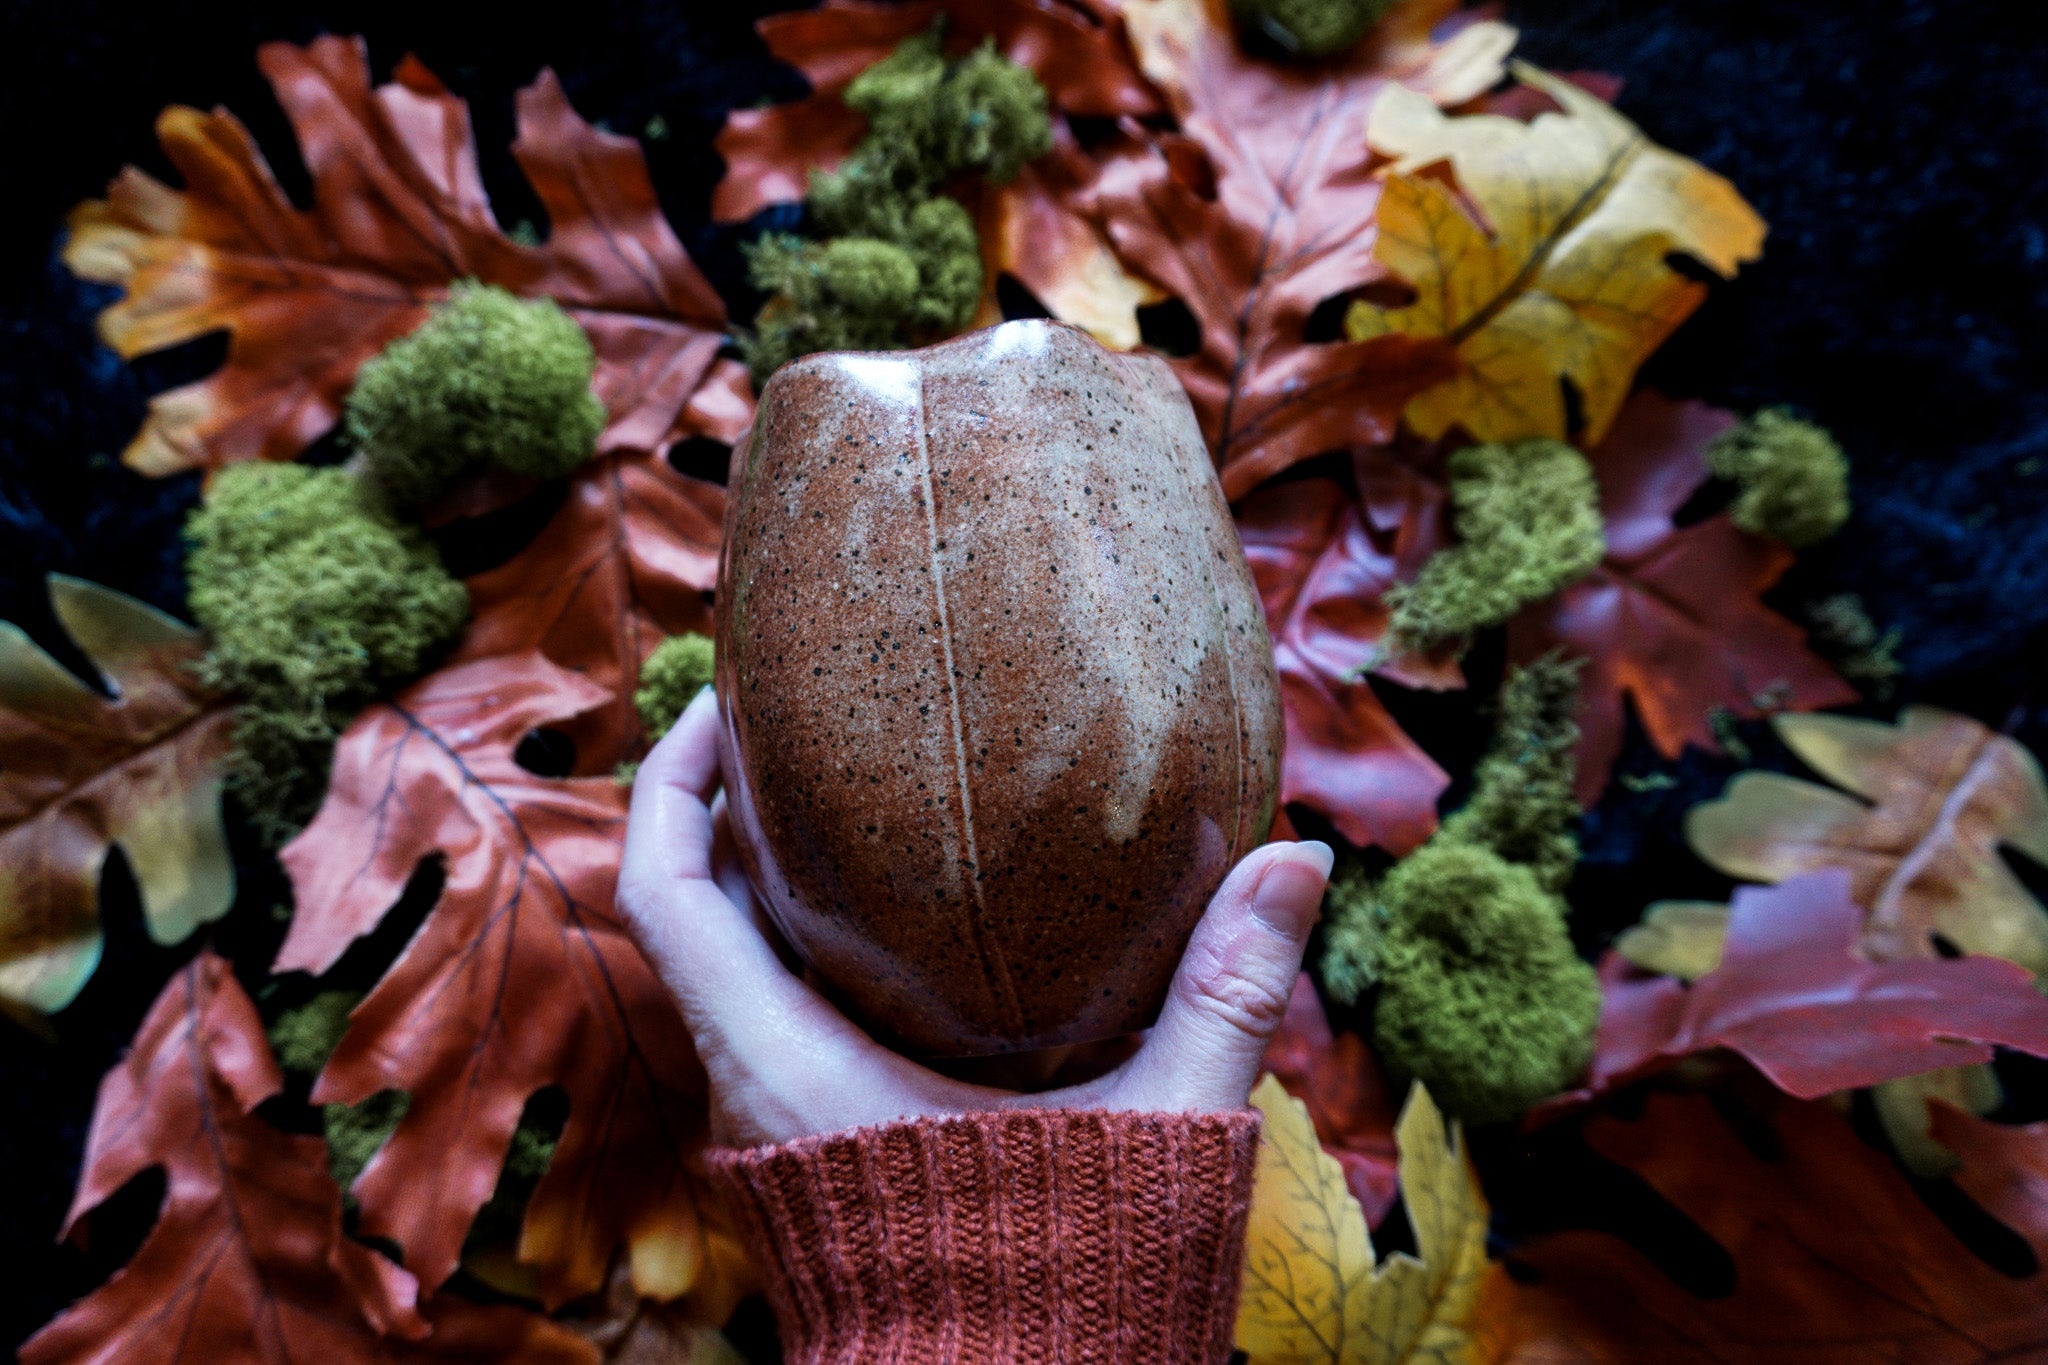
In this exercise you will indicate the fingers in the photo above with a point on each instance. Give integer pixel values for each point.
(1232, 986)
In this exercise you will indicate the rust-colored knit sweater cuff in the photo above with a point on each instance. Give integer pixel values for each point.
(1039, 1235)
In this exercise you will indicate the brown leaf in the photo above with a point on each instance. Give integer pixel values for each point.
(2004, 1167)
(1347, 1097)
(631, 1330)
(521, 977)
(81, 772)
(1322, 562)
(247, 1260)
(1929, 802)
(1077, 53)
(399, 213)
(1836, 1260)
(1672, 619)
(1262, 209)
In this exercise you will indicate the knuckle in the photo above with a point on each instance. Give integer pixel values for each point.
(1250, 1006)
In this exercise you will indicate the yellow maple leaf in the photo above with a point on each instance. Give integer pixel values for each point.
(1313, 1291)
(1566, 277)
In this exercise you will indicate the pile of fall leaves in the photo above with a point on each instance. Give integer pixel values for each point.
(1502, 251)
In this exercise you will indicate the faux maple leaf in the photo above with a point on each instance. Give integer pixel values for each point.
(1543, 254)
(247, 1260)
(1312, 1289)
(80, 772)
(521, 978)
(1263, 209)
(1837, 1261)
(399, 213)
(1322, 562)
(1928, 803)
(1339, 1081)
(1672, 617)
(1791, 995)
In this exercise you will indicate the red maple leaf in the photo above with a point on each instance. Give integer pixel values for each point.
(247, 1260)
(1672, 617)
(1348, 1101)
(1322, 561)
(520, 978)
(1792, 995)
(398, 213)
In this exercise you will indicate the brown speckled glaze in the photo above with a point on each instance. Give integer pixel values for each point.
(999, 706)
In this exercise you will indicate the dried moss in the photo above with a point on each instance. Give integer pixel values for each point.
(1863, 653)
(900, 264)
(673, 675)
(1481, 996)
(1527, 517)
(488, 377)
(1522, 804)
(316, 602)
(1310, 28)
(1792, 479)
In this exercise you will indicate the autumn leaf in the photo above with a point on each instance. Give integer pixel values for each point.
(2003, 1167)
(1312, 1290)
(1925, 807)
(1261, 209)
(247, 1260)
(630, 1330)
(399, 212)
(1542, 257)
(1348, 1100)
(521, 978)
(81, 772)
(1322, 562)
(1791, 994)
(1835, 1259)
(1672, 619)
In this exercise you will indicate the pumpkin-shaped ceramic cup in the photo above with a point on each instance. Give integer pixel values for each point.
(998, 703)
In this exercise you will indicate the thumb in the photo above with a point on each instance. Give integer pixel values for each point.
(1231, 990)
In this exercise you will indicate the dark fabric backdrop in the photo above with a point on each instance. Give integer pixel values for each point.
(1899, 151)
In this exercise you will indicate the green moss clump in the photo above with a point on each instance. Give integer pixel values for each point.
(1353, 916)
(316, 601)
(900, 264)
(673, 675)
(1842, 629)
(1528, 522)
(488, 377)
(303, 1039)
(1481, 996)
(1792, 479)
(1522, 805)
(1310, 28)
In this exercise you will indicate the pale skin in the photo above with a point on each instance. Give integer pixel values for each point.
(784, 1063)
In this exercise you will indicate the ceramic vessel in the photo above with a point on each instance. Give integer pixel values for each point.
(999, 705)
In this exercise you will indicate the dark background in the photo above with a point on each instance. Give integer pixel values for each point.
(1898, 150)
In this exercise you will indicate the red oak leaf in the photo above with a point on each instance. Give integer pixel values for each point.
(1672, 618)
(1077, 53)
(520, 978)
(399, 212)
(2004, 1167)
(247, 1260)
(1836, 1259)
(1339, 1080)
(1321, 562)
(1792, 996)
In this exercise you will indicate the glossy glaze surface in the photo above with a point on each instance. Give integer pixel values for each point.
(999, 703)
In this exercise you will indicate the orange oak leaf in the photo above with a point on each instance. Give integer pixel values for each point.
(1077, 53)
(1261, 209)
(521, 978)
(1322, 560)
(81, 772)
(1671, 619)
(1836, 1261)
(1347, 1096)
(247, 1260)
(399, 212)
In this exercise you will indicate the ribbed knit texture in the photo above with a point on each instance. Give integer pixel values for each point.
(1046, 1236)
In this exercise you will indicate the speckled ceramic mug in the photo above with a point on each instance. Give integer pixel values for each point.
(998, 701)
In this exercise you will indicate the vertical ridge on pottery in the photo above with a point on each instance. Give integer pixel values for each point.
(999, 703)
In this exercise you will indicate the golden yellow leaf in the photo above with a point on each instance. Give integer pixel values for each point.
(1312, 1290)
(1678, 938)
(1566, 275)
(79, 772)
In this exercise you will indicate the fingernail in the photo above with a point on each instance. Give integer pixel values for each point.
(1289, 896)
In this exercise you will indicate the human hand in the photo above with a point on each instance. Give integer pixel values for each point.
(784, 1063)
